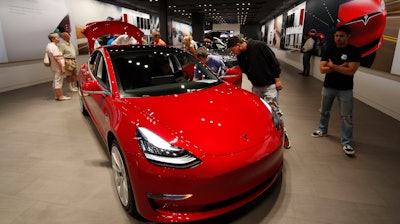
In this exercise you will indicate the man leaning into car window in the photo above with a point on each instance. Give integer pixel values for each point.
(214, 62)
(262, 68)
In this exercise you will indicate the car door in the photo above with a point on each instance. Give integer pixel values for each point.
(101, 103)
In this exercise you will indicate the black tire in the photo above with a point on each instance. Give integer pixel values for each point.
(121, 180)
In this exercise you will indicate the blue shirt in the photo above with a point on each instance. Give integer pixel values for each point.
(214, 62)
(109, 42)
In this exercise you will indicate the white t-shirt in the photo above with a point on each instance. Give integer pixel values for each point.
(124, 39)
(52, 50)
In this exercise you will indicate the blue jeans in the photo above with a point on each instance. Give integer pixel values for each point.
(269, 94)
(345, 100)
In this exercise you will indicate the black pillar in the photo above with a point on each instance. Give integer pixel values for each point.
(251, 31)
(164, 20)
(198, 26)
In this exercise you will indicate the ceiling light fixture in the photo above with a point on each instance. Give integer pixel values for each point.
(242, 12)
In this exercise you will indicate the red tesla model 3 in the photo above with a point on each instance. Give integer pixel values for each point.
(180, 150)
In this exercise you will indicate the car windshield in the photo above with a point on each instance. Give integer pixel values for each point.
(156, 71)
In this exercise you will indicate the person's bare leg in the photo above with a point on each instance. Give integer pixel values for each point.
(60, 96)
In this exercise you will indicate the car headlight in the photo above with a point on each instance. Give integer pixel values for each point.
(275, 116)
(383, 6)
(162, 153)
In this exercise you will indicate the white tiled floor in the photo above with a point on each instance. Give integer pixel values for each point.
(54, 169)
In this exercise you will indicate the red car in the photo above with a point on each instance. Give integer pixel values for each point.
(180, 150)
(367, 19)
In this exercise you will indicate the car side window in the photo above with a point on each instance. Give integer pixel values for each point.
(220, 46)
(93, 62)
(101, 72)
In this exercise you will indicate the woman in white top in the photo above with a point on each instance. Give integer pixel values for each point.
(57, 64)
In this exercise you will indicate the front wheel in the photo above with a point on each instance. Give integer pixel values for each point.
(122, 181)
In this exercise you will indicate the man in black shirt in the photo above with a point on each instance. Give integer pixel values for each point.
(263, 70)
(339, 64)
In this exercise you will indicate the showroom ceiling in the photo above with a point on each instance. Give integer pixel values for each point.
(217, 11)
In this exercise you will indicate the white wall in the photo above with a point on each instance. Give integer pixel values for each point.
(396, 58)
(18, 75)
(375, 88)
(22, 74)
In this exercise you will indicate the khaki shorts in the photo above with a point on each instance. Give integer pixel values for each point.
(70, 67)
(69, 73)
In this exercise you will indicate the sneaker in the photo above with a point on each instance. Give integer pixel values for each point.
(286, 143)
(72, 89)
(348, 150)
(62, 98)
(318, 133)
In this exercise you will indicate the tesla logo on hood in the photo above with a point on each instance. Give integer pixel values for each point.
(364, 19)
(245, 137)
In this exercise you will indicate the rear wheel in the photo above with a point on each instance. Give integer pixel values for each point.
(122, 181)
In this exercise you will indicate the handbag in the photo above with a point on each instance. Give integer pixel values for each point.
(46, 60)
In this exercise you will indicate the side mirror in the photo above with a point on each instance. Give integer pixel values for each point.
(92, 87)
(233, 75)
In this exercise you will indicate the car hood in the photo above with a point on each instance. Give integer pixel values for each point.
(367, 20)
(223, 119)
(364, 10)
